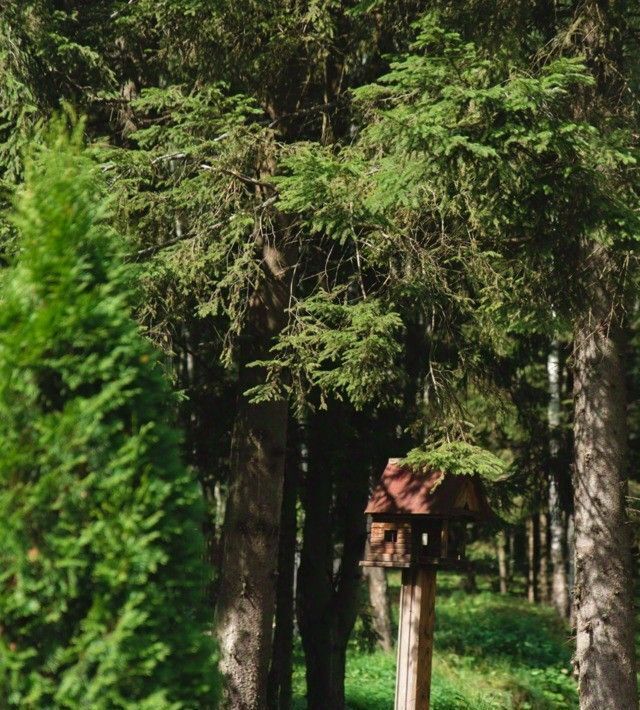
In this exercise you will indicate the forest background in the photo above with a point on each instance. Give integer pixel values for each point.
(357, 229)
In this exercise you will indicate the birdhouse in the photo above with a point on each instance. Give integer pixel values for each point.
(417, 518)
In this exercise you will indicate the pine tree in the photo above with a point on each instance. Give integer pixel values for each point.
(101, 572)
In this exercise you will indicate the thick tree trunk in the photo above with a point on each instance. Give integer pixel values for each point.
(246, 599)
(381, 609)
(559, 583)
(603, 593)
(279, 691)
(503, 568)
(605, 658)
(531, 560)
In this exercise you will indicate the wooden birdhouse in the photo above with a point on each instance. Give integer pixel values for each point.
(416, 518)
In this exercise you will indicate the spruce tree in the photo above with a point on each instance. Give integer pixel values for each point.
(101, 552)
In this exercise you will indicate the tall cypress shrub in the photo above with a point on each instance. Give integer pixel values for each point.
(101, 573)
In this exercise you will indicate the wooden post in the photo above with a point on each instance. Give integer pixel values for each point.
(415, 638)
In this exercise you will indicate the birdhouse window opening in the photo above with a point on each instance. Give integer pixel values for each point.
(390, 535)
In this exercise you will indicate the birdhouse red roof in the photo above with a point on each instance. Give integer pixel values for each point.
(405, 491)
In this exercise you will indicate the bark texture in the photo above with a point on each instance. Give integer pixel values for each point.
(559, 583)
(503, 568)
(604, 614)
(279, 692)
(571, 567)
(247, 591)
(603, 594)
(381, 610)
(531, 560)
(246, 598)
(543, 557)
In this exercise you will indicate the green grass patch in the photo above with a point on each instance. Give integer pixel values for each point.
(492, 653)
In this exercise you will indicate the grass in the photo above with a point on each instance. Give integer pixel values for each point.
(492, 652)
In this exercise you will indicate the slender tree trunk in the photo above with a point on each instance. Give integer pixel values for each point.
(315, 576)
(279, 692)
(327, 601)
(543, 557)
(379, 600)
(559, 583)
(503, 569)
(531, 560)
(468, 583)
(605, 657)
(571, 567)
(511, 539)
(559, 578)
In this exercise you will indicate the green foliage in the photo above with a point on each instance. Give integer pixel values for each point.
(466, 164)
(458, 458)
(102, 580)
(46, 54)
(344, 349)
(49, 54)
(184, 206)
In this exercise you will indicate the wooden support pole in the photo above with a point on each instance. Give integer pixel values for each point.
(415, 638)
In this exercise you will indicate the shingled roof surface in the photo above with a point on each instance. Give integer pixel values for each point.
(403, 491)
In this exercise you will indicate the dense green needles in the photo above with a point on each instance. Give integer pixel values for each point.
(101, 574)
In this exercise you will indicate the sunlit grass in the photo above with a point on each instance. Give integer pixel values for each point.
(492, 653)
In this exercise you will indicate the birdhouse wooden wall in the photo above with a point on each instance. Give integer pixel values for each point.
(390, 541)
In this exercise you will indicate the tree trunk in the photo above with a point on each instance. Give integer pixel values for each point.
(468, 582)
(603, 593)
(246, 600)
(559, 584)
(531, 560)
(503, 570)
(279, 691)
(605, 657)
(327, 602)
(559, 579)
(543, 557)
(379, 600)
(571, 567)
(511, 538)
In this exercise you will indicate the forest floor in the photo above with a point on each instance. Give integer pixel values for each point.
(491, 652)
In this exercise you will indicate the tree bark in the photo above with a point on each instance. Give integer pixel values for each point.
(531, 560)
(543, 557)
(246, 597)
(603, 594)
(605, 656)
(571, 566)
(503, 569)
(559, 583)
(511, 539)
(379, 600)
(327, 602)
(279, 690)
